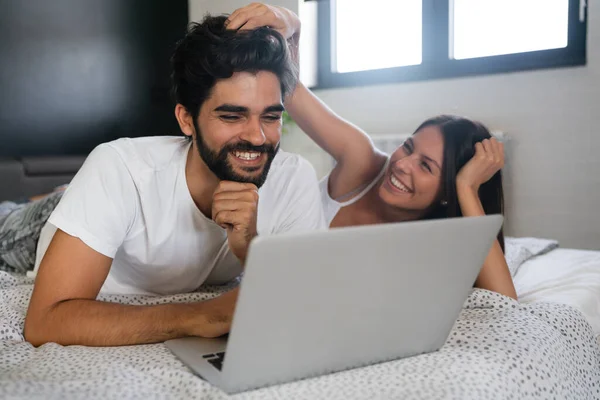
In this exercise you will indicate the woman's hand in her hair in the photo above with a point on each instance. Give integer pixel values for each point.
(487, 161)
(256, 15)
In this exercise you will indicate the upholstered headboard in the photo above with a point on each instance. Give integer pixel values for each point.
(32, 176)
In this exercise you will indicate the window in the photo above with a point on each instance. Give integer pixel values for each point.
(356, 51)
(490, 28)
(378, 41)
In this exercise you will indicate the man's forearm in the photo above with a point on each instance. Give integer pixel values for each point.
(96, 323)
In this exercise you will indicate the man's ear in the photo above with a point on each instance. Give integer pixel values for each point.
(185, 120)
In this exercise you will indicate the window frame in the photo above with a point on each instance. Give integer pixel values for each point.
(436, 62)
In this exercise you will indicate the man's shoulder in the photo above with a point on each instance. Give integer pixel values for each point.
(286, 164)
(290, 198)
(156, 152)
(289, 170)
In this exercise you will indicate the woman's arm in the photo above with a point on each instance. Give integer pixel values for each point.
(487, 161)
(494, 275)
(358, 161)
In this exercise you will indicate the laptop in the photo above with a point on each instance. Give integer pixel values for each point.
(325, 301)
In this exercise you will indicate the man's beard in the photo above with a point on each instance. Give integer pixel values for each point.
(219, 163)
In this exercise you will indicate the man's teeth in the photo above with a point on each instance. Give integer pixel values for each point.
(399, 184)
(246, 155)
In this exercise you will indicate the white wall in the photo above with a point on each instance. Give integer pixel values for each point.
(551, 117)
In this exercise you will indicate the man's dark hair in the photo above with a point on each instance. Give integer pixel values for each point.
(210, 52)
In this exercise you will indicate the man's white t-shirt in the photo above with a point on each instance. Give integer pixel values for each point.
(130, 201)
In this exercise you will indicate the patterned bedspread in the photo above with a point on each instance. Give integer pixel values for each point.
(498, 349)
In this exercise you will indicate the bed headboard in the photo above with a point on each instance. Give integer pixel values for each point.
(30, 176)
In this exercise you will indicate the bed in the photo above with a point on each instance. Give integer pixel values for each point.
(565, 276)
(498, 348)
(547, 345)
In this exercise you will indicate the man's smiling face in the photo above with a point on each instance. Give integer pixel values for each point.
(238, 128)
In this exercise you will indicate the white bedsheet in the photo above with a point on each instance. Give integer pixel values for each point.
(564, 276)
(498, 349)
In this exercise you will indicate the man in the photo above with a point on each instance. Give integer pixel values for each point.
(164, 215)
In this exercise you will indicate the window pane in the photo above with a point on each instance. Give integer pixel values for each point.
(365, 39)
(493, 27)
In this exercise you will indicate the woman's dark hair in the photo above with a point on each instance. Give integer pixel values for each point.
(460, 136)
(209, 52)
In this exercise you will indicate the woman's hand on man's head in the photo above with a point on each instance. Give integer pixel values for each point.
(256, 15)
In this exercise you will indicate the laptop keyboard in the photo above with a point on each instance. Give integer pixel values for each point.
(215, 359)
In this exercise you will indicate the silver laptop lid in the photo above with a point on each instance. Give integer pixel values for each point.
(331, 300)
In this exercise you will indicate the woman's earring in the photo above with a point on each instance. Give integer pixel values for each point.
(444, 203)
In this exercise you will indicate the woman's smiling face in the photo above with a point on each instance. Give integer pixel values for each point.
(413, 179)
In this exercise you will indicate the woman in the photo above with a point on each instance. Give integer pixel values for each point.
(450, 166)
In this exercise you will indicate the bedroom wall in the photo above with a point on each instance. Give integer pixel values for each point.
(550, 116)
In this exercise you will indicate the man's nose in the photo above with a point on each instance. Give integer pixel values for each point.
(253, 133)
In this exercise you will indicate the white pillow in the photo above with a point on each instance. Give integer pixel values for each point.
(519, 250)
(564, 276)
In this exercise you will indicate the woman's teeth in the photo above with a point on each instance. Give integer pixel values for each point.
(397, 184)
(246, 155)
